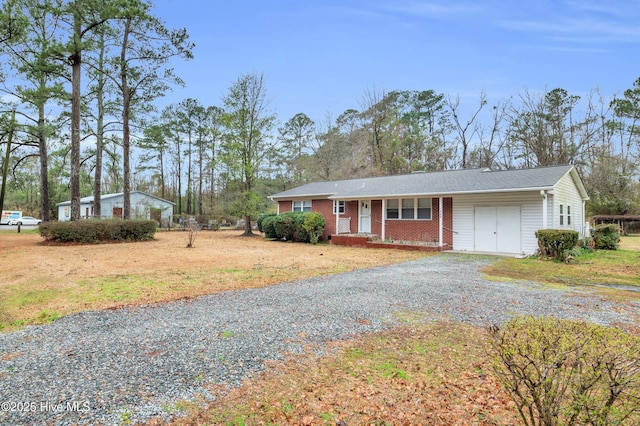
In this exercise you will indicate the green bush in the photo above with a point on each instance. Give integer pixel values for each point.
(261, 218)
(268, 227)
(565, 372)
(301, 233)
(314, 226)
(556, 243)
(606, 237)
(94, 231)
(285, 226)
(294, 226)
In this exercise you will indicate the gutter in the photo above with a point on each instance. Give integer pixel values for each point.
(548, 189)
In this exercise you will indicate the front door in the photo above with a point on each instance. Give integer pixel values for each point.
(364, 224)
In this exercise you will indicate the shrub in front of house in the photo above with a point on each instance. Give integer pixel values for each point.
(95, 231)
(606, 237)
(556, 243)
(301, 233)
(268, 227)
(314, 224)
(285, 225)
(261, 220)
(294, 226)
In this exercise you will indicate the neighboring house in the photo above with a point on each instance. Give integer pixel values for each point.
(143, 206)
(472, 209)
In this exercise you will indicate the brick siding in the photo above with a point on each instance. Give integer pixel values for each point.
(402, 230)
(424, 230)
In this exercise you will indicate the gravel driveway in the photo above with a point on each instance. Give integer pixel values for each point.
(134, 363)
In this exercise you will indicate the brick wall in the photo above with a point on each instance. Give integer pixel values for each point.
(424, 230)
(285, 206)
(376, 217)
(325, 208)
(404, 230)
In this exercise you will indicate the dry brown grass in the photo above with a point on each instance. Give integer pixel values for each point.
(434, 374)
(39, 282)
(630, 242)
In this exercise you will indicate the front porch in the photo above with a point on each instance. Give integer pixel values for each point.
(374, 241)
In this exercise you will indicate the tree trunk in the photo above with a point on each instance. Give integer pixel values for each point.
(5, 165)
(247, 227)
(126, 107)
(75, 60)
(45, 214)
(97, 179)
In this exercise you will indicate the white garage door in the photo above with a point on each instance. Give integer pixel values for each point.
(498, 229)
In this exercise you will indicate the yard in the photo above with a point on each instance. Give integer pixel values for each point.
(371, 379)
(39, 283)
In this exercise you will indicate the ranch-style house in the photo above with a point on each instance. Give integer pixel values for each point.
(478, 210)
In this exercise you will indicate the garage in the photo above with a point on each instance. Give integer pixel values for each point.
(498, 229)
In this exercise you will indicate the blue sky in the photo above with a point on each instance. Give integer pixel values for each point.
(320, 57)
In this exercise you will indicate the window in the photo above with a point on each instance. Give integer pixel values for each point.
(561, 215)
(568, 215)
(392, 209)
(302, 206)
(339, 205)
(407, 208)
(424, 208)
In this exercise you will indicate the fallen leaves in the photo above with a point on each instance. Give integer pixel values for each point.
(445, 382)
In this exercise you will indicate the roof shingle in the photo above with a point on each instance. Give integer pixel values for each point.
(433, 183)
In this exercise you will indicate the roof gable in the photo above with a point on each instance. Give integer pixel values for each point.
(437, 184)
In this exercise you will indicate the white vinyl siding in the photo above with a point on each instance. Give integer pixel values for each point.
(566, 194)
(464, 223)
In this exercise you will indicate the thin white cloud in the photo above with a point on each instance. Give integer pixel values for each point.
(569, 47)
(616, 9)
(435, 10)
(583, 21)
(580, 28)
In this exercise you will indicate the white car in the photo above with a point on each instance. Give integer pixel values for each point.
(25, 220)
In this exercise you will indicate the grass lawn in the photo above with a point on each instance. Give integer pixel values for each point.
(615, 273)
(39, 283)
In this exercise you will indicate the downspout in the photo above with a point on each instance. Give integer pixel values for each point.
(440, 226)
(585, 227)
(545, 219)
(383, 214)
(336, 209)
